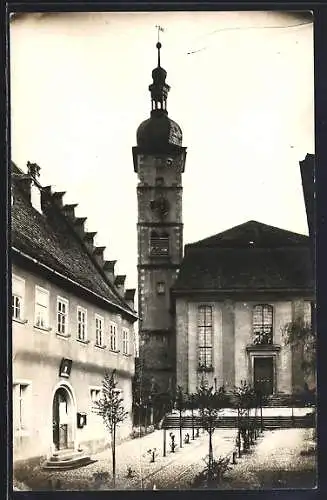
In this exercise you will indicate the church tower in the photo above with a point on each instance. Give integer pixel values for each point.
(159, 160)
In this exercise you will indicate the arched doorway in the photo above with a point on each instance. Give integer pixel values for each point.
(62, 419)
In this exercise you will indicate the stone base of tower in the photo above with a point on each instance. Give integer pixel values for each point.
(154, 396)
(165, 380)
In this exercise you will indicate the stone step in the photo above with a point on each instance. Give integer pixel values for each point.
(66, 454)
(269, 422)
(70, 463)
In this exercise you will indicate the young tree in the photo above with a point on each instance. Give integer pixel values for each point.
(110, 407)
(209, 404)
(244, 397)
(300, 333)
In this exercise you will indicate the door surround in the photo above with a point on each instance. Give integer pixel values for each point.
(71, 410)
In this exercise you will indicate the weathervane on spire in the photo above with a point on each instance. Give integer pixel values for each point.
(159, 28)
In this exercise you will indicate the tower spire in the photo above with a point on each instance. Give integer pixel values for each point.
(160, 29)
(159, 88)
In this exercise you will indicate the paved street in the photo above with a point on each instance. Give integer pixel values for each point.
(176, 470)
(182, 469)
(274, 450)
(283, 458)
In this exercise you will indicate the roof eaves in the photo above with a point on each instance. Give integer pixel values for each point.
(75, 283)
(187, 290)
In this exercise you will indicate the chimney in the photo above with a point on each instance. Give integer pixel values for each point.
(109, 269)
(79, 223)
(69, 211)
(25, 185)
(57, 198)
(88, 240)
(45, 196)
(98, 255)
(120, 283)
(34, 172)
(129, 297)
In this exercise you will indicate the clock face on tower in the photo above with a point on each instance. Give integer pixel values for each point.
(160, 206)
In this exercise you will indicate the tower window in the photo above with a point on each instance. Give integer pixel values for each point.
(161, 289)
(159, 244)
(263, 324)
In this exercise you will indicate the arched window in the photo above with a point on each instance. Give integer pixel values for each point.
(205, 337)
(262, 324)
(159, 244)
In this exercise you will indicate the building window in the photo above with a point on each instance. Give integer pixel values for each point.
(18, 293)
(205, 337)
(41, 307)
(113, 337)
(20, 406)
(161, 289)
(62, 316)
(81, 324)
(263, 324)
(159, 244)
(95, 394)
(125, 341)
(99, 331)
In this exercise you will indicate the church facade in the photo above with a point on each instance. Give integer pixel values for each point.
(218, 312)
(235, 295)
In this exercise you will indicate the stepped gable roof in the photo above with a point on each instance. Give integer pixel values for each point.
(50, 238)
(251, 256)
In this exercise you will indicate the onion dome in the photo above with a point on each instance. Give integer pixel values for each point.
(159, 132)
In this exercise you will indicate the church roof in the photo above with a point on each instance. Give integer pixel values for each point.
(261, 235)
(251, 256)
(51, 239)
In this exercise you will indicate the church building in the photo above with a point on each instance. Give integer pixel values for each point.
(235, 294)
(217, 313)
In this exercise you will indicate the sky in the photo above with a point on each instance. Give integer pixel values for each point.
(242, 90)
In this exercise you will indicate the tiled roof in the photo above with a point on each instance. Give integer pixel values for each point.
(50, 239)
(262, 235)
(248, 257)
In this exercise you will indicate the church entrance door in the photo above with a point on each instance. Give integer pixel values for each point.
(264, 375)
